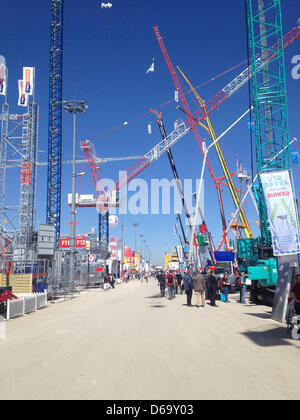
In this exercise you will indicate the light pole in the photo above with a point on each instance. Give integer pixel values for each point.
(135, 225)
(72, 107)
(144, 250)
(141, 250)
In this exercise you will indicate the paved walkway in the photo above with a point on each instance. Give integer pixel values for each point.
(130, 343)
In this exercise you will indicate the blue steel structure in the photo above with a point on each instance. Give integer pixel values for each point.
(55, 117)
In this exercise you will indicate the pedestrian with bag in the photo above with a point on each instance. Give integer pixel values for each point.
(226, 286)
(171, 285)
(199, 288)
(188, 287)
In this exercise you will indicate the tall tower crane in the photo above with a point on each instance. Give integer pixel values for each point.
(203, 112)
(264, 22)
(55, 117)
(53, 211)
(197, 136)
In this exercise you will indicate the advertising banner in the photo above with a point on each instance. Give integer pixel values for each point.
(23, 98)
(282, 212)
(65, 242)
(114, 247)
(28, 79)
(2, 79)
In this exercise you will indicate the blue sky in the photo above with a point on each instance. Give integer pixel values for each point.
(106, 55)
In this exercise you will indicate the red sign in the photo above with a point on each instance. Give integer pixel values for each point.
(99, 270)
(65, 242)
(92, 258)
(80, 242)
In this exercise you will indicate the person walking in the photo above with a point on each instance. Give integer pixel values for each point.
(179, 282)
(254, 292)
(126, 277)
(226, 287)
(243, 288)
(162, 283)
(171, 285)
(212, 285)
(188, 287)
(199, 288)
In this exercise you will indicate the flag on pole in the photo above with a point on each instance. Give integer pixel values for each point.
(151, 68)
(3, 79)
(28, 78)
(176, 96)
(175, 229)
(295, 156)
(23, 98)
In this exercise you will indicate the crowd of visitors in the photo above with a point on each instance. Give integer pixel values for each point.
(204, 285)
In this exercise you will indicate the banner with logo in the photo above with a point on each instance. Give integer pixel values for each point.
(114, 247)
(23, 98)
(282, 212)
(28, 79)
(3, 79)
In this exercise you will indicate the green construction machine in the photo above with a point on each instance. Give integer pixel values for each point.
(270, 118)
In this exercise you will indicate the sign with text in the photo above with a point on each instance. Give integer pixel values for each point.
(65, 242)
(282, 212)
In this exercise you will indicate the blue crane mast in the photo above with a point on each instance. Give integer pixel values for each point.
(55, 117)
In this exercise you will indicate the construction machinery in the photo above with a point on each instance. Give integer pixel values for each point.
(264, 22)
(55, 108)
(227, 174)
(163, 133)
(206, 108)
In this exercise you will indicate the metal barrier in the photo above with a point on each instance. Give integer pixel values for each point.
(26, 304)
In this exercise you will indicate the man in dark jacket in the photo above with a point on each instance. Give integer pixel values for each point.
(179, 281)
(188, 287)
(162, 282)
(212, 286)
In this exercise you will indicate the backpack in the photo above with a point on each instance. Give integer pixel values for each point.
(170, 279)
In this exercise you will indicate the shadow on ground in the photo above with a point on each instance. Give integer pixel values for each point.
(271, 338)
(262, 316)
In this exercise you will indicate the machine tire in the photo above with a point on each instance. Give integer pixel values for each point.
(296, 332)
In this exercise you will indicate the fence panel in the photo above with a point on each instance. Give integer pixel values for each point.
(15, 308)
(29, 304)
